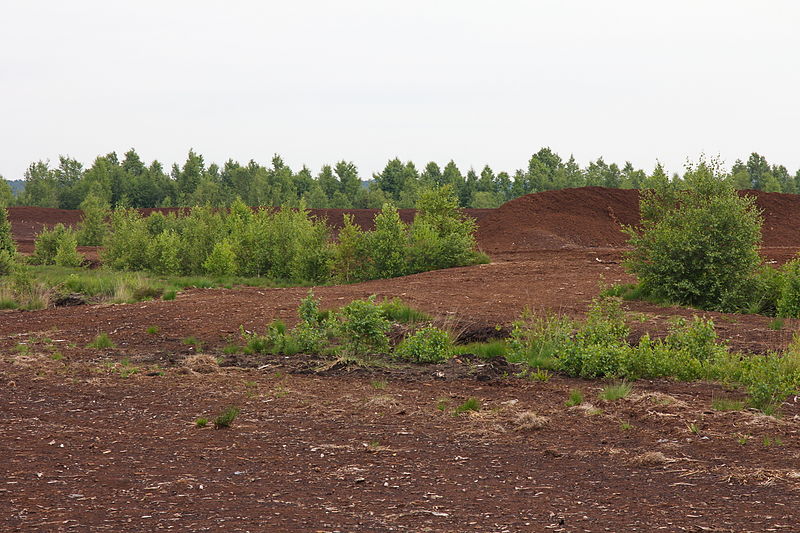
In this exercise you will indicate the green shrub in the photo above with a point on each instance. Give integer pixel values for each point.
(67, 251)
(350, 254)
(427, 345)
(8, 261)
(47, 243)
(363, 328)
(538, 341)
(788, 302)
(699, 246)
(441, 236)
(386, 245)
(221, 261)
(6, 239)
(92, 228)
(164, 255)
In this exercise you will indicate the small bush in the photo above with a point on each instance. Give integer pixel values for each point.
(363, 328)
(67, 251)
(8, 262)
(48, 242)
(201, 422)
(221, 261)
(427, 345)
(538, 341)
(226, 418)
(788, 303)
(697, 246)
(92, 229)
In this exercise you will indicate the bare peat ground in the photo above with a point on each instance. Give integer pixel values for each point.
(88, 445)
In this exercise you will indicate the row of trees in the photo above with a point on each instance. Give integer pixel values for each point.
(130, 182)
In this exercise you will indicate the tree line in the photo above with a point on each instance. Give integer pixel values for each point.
(129, 182)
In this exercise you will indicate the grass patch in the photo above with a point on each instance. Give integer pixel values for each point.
(727, 404)
(776, 324)
(193, 341)
(575, 398)
(472, 404)
(201, 422)
(101, 342)
(396, 311)
(483, 350)
(226, 418)
(618, 391)
(152, 330)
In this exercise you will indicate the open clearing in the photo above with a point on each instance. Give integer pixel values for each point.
(90, 446)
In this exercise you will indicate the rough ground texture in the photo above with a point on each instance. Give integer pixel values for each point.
(105, 440)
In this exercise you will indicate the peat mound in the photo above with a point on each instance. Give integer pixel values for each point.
(553, 220)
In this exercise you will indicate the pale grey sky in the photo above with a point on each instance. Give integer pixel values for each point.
(367, 80)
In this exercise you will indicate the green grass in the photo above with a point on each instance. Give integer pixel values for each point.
(152, 330)
(193, 341)
(484, 350)
(575, 398)
(612, 393)
(124, 287)
(101, 342)
(226, 418)
(472, 404)
(776, 324)
(727, 404)
(396, 311)
(201, 422)
(625, 426)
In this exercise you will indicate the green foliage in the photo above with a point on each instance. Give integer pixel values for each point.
(484, 350)
(726, 404)
(386, 244)
(222, 260)
(788, 302)
(697, 246)
(396, 311)
(575, 398)
(226, 418)
(6, 239)
(538, 341)
(350, 254)
(612, 393)
(101, 342)
(471, 404)
(92, 228)
(47, 243)
(427, 345)
(8, 262)
(441, 236)
(67, 251)
(363, 328)
(201, 422)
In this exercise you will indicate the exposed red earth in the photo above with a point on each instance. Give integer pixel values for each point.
(87, 447)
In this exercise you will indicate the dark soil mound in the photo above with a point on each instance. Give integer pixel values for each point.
(781, 218)
(589, 217)
(552, 220)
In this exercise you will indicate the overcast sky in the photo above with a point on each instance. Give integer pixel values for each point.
(365, 80)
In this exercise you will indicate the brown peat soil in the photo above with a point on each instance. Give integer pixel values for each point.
(105, 440)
